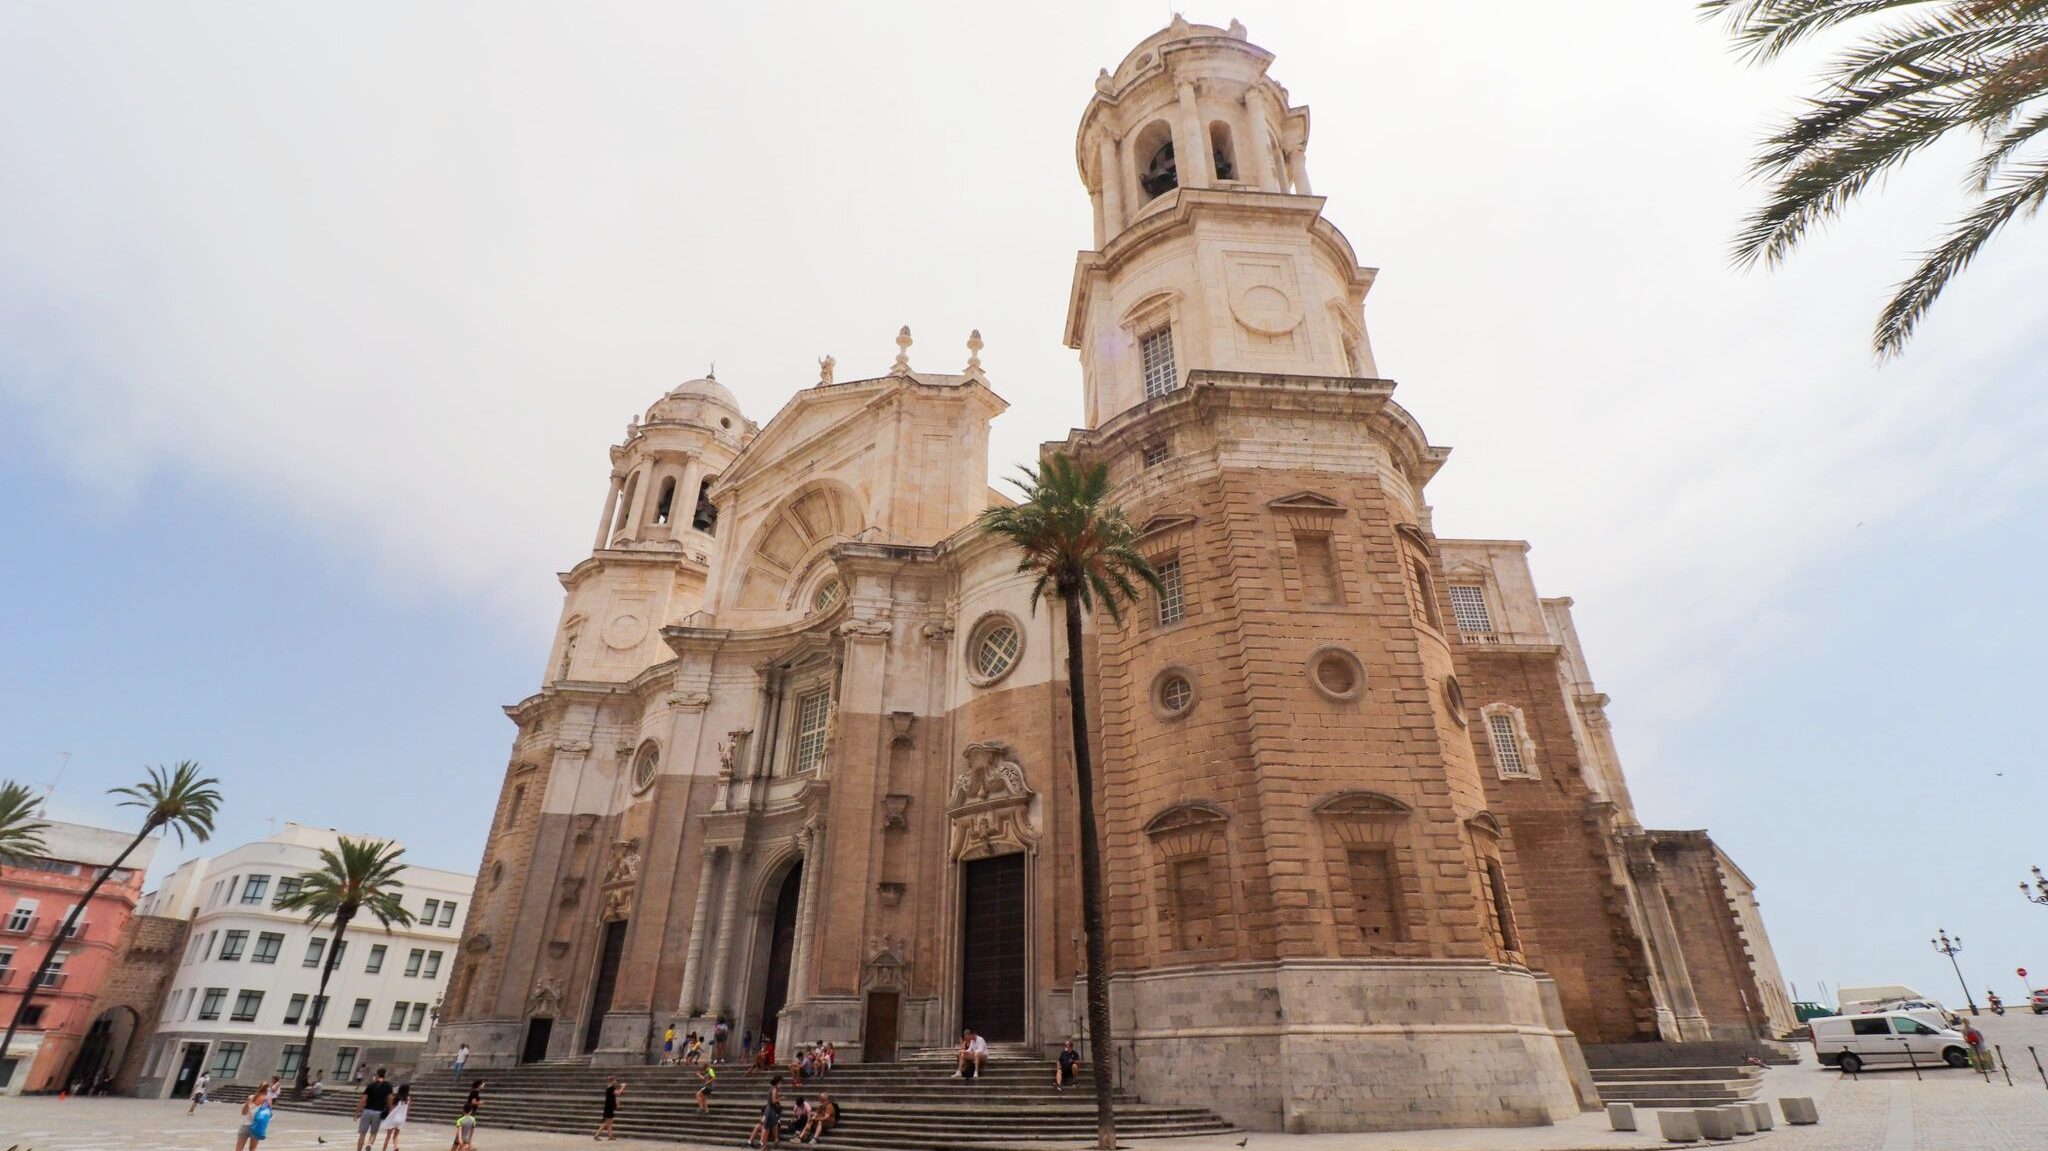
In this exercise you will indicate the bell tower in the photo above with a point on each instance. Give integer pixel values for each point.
(1210, 250)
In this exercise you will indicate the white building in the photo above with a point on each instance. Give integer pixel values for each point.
(242, 997)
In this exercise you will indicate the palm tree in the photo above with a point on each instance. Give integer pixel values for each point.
(179, 799)
(1085, 553)
(360, 875)
(1921, 71)
(21, 826)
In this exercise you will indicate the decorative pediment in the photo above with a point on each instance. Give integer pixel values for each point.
(621, 876)
(1187, 829)
(1485, 822)
(1307, 501)
(1158, 527)
(1183, 816)
(1414, 535)
(1362, 804)
(991, 805)
(886, 969)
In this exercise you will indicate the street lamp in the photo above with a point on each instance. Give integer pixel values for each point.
(1949, 947)
(2038, 893)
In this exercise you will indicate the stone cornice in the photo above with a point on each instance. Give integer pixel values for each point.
(879, 392)
(671, 554)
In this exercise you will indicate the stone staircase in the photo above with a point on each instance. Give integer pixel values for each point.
(913, 1105)
(1683, 1087)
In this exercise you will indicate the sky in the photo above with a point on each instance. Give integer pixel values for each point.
(316, 324)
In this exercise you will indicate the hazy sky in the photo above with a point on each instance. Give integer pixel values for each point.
(315, 325)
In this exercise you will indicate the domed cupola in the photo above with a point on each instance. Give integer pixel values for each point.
(704, 402)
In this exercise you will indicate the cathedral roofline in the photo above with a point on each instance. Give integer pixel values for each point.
(1182, 207)
(880, 390)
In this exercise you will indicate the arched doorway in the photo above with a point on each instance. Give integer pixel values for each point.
(781, 948)
(106, 1042)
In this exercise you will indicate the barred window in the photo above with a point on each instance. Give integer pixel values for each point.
(1155, 454)
(1156, 350)
(827, 596)
(1172, 607)
(996, 647)
(811, 714)
(1468, 607)
(1507, 744)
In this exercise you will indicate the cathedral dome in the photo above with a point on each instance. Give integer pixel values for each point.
(703, 401)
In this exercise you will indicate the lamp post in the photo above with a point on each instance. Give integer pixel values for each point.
(1949, 947)
(2038, 891)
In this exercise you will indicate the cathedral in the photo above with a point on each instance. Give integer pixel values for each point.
(800, 759)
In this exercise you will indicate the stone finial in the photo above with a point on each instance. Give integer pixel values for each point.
(712, 374)
(1103, 83)
(1236, 30)
(974, 346)
(902, 365)
(1180, 28)
(825, 367)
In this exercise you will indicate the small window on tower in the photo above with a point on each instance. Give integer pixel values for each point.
(666, 503)
(1156, 352)
(1155, 145)
(1155, 454)
(1219, 148)
(1468, 607)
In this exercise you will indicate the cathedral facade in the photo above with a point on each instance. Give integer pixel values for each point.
(800, 757)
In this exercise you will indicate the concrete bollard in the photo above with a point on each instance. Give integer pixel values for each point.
(1761, 1112)
(1678, 1126)
(1621, 1116)
(1743, 1118)
(1799, 1110)
(1715, 1122)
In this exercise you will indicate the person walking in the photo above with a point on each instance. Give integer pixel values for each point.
(465, 1128)
(256, 1113)
(612, 1090)
(707, 1079)
(371, 1109)
(199, 1092)
(401, 1110)
(461, 1061)
(769, 1129)
(668, 1045)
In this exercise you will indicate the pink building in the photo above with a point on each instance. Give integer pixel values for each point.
(61, 1040)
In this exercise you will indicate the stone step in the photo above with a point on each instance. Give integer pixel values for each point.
(1671, 1074)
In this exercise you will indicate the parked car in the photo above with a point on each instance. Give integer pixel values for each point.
(2039, 1001)
(1853, 1042)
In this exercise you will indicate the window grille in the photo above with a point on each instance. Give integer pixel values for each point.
(1155, 454)
(1156, 351)
(997, 650)
(1468, 607)
(812, 711)
(1507, 744)
(1172, 607)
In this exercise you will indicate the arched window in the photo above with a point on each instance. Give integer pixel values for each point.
(1158, 173)
(706, 518)
(666, 502)
(1221, 151)
(645, 765)
(626, 503)
(828, 595)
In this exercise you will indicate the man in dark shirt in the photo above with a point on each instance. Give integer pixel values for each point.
(1063, 1075)
(376, 1104)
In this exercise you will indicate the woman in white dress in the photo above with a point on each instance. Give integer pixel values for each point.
(400, 1104)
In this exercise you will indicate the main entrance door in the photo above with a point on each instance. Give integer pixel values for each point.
(538, 1032)
(781, 948)
(188, 1070)
(992, 948)
(607, 980)
(878, 1028)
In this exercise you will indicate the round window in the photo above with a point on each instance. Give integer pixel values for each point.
(725, 421)
(1176, 694)
(828, 595)
(1454, 699)
(994, 649)
(644, 765)
(1336, 673)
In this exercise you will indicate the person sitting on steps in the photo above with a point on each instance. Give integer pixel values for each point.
(1063, 1071)
(973, 1055)
(823, 1116)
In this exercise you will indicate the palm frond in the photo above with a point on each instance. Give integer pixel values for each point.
(2018, 194)
(179, 799)
(357, 876)
(1066, 535)
(21, 823)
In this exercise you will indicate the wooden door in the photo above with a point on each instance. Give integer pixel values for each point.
(878, 1029)
(608, 957)
(992, 948)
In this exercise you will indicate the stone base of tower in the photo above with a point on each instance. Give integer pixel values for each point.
(1329, 1046)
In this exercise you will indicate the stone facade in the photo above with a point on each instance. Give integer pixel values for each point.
(145, 962)
(799, 759)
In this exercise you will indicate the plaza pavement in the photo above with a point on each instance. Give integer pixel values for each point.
(1880, 1111)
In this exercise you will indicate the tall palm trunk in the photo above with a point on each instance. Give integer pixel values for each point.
(35, 984)
(319, 1010)
(1100, 1046)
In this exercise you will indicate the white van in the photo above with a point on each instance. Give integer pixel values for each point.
(1853, 1042)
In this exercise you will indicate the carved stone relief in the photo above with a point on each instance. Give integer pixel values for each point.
(990, 807)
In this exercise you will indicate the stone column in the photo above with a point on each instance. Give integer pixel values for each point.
(1297, 169)
(720, 997)
(1669, 957)
(1259, 142)
(611, 507)
(1109, 159)
(1191, 154)
(806, 919)
(693, 965)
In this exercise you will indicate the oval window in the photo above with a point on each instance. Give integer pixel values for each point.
(644, 766)
(828, 595)
(996, 645)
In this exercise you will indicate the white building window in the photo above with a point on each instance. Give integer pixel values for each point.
(1512, 750)
(812, 711)
(1172, 606)
(448, 913)
(254, 887)
(413, 961)
(22, 917)
(433, 967)
(1468, 607)
(1156, 350)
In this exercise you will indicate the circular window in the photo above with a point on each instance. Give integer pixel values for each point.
(1454, 699)
(1173, 692)
(725, 421)
(1336, 673)
(993, 648)
(828, 595)
(644, 765)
